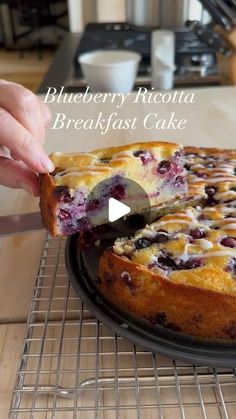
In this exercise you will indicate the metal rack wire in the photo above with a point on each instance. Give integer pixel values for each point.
(72, 366)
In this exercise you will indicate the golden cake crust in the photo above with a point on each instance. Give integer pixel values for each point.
(199, 312)
(48, 203)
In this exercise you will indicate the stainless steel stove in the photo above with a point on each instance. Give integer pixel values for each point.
(195, 61)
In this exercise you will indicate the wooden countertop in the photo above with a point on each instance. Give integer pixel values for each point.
(11, 338)
(211, 122)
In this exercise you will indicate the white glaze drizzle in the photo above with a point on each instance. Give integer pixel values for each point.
(229, 227)
(89, 170)
(220, 195)
(212, 180)
(225, 220)
(178, 221)
(79, 174)
(209, 209)
(220, 173)
(197, 166)
(204, 244)
(97, 168)
(218, 253)
(225, 209)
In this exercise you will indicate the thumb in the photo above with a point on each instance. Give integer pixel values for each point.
(15, 174)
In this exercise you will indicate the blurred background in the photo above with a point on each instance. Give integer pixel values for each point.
(41, 41)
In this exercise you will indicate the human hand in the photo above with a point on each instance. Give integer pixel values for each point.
(23, 119)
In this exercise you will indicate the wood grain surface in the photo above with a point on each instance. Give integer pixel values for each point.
(11, 337)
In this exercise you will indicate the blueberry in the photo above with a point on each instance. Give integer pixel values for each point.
(105, 160)
(197, 233)
(62, 193)
(161, 237)
(138, 153)
(179, 180)
(166, 262)
(64, 215)
(190, 264)
(178, 154)
(161, 318)
(228, 242)
(232, 266)
(145, 156)
(233, 189)
(210, 190)
(117, 192)
(164, 167)
(230, 330)
(152, 265)
(203, 217)
(93, 205)
(202, 175)
(126, 277)
(143, 243)
(187, 166)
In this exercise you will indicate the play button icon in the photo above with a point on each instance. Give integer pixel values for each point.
(119, 203)
(117, 210)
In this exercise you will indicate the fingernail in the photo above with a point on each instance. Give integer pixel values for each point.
(47, 164)
(27, 188)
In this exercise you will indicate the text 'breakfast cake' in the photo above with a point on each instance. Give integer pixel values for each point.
(157, 167)
(180, 272)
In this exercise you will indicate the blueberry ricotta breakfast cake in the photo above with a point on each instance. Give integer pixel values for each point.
(180, 271)
(157, 167)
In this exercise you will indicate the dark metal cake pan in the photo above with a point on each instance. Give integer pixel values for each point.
(82, 268)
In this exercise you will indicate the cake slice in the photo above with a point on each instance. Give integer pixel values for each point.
(157, 167)
(179, 272)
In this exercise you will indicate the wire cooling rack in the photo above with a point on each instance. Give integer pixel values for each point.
(72, 366)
